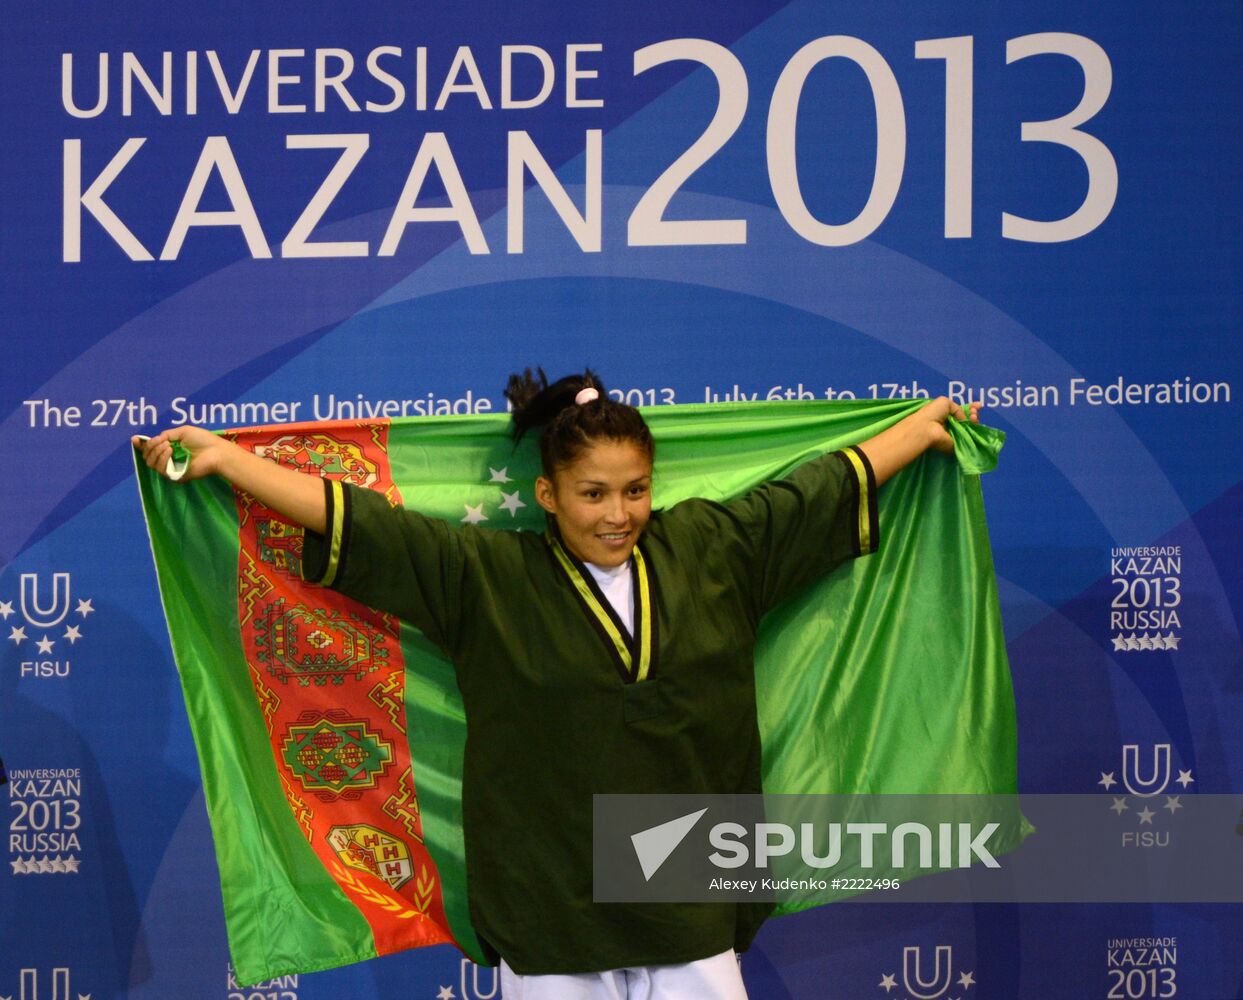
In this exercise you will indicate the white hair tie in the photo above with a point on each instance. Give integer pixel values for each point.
(586, 395)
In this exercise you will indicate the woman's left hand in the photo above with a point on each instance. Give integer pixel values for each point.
(896, 447)
(941, 410)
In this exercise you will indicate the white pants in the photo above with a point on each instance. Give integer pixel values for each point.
(715, 978)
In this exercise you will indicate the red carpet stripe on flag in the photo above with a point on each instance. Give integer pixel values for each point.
(329, 677)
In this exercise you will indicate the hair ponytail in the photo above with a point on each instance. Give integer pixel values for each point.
(566, 426)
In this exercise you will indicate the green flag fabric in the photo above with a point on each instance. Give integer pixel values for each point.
(331, 736)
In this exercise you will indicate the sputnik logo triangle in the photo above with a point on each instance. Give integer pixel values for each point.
(654, 845)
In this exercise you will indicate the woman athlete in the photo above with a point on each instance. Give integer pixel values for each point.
(613, 654)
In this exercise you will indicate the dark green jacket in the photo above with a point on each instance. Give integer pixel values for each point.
(554, 714)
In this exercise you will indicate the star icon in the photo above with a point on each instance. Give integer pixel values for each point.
(6, 609)
(1119, 643)
(1145, 641)
(1184, 778)
(72, 864)
(966, 979)
(1107, 780)
(18, 866)
(445, 993)
(85, 607)
(18, 635)
(1170, 641)
(499, 476)
(58, 865)
(1119, 805)
(1145, 816)
(1132, 641)
(45, 644)
(474, 514)
(72, 633)
(1172, 804)
(887, 982)
(511, 503)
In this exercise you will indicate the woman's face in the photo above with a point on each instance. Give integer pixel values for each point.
(602, 501)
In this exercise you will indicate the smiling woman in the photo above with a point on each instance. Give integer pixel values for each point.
(614, 654)
(597, 458)
(601, 501)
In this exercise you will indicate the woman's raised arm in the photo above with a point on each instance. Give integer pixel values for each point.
(893, 449)
(295, 495)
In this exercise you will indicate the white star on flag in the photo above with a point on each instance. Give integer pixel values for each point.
(45, 644)
(1170, 641)
(445, 993)
(1132, 641)
(1119, 805)
(72, 633)
(1145, 641)
(1119, 643)
(1172, 804)
(85, 607)
(511, 503)
(58, 865)
(887, 982)
(18, 866)
(499, 475)
(1107, 780)
(71, 865)
(6, 609)
(1184, 778)
(1145, 816)
(966, 979)
(474, 515)
(17, 634)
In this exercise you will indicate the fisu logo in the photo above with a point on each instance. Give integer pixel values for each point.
(33, 610)
(913, 976)
(920, 983)
(471, 988)
(60, 986)
(1135, 782)
(1139, 780)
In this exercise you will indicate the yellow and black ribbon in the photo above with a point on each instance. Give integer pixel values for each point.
(634, 655)
(336, 509)
(864, 513)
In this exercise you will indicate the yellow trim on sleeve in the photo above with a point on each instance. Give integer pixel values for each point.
(864, 529)
(337, 532)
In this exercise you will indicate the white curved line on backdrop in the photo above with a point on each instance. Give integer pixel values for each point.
(881, 293)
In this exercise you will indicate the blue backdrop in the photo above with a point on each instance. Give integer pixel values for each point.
(315, 209)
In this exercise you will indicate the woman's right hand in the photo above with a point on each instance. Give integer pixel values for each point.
(295, 495)
(206, 450)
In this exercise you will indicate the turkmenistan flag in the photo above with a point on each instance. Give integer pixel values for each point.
(331, 735)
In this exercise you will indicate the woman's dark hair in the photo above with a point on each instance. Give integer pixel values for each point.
(567, 427)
